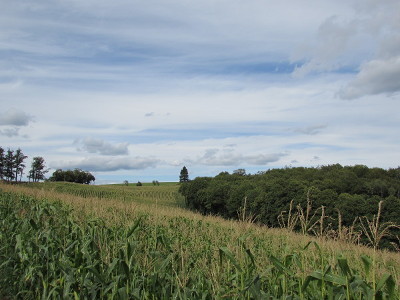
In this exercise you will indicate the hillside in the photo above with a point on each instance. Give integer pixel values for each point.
(69, 240)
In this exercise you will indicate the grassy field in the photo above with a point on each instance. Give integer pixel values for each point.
(62, 240)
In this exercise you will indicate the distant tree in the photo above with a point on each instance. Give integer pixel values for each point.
(9, 165)
(69, 176)
(38, 169)
(19, 165)
(76, 176)
(139, 183)
(126, 182)
(79, 176)
(89, 178)
(2, 162)
(58, 175)
(184, 175)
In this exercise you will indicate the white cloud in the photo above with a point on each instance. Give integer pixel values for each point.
(366, 42)
(375, 77)
(333, 40)
(93, 145)
(214, 157)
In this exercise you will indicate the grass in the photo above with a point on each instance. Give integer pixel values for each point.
(116, 242)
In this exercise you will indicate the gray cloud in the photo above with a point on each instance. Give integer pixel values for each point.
(93, 145)
(105, 164)
(375, 77)
(310, 130)
(213, 157)
(15, 117)
(10, 132)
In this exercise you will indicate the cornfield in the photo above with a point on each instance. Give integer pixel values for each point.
(48, 250)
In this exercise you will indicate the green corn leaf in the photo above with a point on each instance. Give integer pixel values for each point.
(96, 274)
(122, 293)
(125, 268)
(344, 266)
(280, 266)
(111, 267)
(251, 256)
(389, 281)
(367, 263)
(312, 243)
(328, 278)
(225, 251)
(134, 227)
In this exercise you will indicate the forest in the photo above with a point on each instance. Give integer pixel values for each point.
(328, 198)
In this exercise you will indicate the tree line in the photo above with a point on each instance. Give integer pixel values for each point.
(12, 166)
(342, 192)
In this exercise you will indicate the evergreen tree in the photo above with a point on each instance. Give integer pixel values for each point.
(2, 159)
(184, 176)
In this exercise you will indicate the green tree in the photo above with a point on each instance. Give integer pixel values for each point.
(38, 169)
(9, 165)
(76, 176)
(19, 165)
(184, 175)
(2, 160)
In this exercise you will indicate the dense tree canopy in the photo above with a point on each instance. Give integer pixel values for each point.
(353, 191)
(77, 176)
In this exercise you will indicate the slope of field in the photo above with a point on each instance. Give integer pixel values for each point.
(68, 240)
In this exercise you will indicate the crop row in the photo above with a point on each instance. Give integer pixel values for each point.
(46, 253)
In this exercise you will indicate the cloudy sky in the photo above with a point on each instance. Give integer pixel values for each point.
(134, 90)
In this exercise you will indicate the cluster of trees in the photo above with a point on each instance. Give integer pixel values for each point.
(76, 176)
(12, 166)
(154, 182)
(351, 190)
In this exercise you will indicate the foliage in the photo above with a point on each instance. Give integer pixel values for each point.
(184, 175)
(11, 164)
(314, 199)
(19, 165)
(38, 169)
(48, 252)
(76, 176)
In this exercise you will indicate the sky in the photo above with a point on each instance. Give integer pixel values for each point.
(135, 90)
